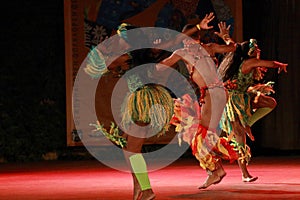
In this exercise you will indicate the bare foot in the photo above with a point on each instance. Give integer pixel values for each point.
(137, 193)
(147, 195)
(212, 178)
(221, 172)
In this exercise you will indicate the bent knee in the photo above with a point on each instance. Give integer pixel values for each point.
(273, 103)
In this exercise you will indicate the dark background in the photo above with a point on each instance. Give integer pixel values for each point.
(32, 78)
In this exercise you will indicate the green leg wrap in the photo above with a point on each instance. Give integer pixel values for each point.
(139, 168)
(259, 113)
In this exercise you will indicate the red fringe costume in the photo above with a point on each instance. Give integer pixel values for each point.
(206, 145)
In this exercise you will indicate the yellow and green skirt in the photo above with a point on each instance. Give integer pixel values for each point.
(238, 107)
(150, 104)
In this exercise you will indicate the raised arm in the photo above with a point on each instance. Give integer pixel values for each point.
(203, 25)
(224, 33)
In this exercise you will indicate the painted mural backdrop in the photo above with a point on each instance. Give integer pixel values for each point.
(89, 22)
(101, 17)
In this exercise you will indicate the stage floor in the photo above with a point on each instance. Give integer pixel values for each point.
(279, 178)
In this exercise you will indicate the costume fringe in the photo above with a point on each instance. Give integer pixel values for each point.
(238, 106)
(113, 134)
(186, 118)
(95, 64)
(243, 151)
(206, 145)
(151, 104)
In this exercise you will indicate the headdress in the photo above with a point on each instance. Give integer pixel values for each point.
(122, 30)
(252, 46)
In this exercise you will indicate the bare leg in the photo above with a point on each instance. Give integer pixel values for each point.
(137, 191)
(240, 137)
(246, 177)
(210, 119)
(211, 111)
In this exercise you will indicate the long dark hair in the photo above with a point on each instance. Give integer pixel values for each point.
(230, 64)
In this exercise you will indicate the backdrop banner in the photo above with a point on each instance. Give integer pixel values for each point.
(89, 22)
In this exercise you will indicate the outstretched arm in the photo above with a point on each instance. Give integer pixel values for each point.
(163, 67)
(252, 63)
(169, 61)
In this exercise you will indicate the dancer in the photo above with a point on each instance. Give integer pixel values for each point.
(139, 115)
(213, 49)
(195, 119)
(247, 103)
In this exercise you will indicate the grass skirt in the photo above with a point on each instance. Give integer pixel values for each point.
(237, 107)
(150, 104)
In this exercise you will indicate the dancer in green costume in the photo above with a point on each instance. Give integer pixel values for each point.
(247, 102)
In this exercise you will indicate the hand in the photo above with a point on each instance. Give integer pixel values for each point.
(204, 22)
(230, 85)
(281, 66)
(259, 73)
(259, 89)
(224, 32)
